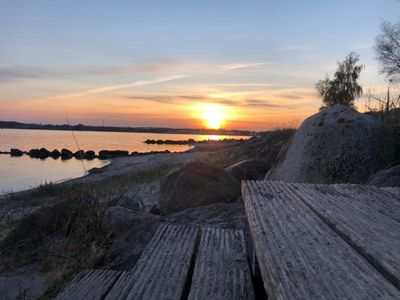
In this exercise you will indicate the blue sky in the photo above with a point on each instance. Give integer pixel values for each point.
(257, 59)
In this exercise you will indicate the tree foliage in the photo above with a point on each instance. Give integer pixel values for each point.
(343, 88)
(387, 48)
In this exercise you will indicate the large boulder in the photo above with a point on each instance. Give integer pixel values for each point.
(118, 219)
(336, 145)
(386, 178)
(250, 169)
(196, 184)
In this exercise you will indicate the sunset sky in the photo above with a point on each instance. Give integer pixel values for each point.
(178, 63)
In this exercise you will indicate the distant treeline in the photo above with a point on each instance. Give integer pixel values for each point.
(189, 141)
(81, 127)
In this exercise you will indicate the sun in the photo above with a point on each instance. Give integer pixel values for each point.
(214, 116)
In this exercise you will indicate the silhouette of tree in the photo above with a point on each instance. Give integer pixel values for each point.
(343, 88)
(387, 48)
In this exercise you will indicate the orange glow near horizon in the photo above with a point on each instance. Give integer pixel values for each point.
(214, 116)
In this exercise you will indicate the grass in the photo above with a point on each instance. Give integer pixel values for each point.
(34, 197)
(66, 236)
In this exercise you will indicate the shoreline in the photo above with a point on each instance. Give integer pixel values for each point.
(163, 130)
(120, 166)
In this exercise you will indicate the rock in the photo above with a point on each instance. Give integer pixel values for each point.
(106, 154)
(55, 154)
(387, 178)
(196, 184)
(250, 169)
(66, 154)
(89, 155)
(16, 152)
(79, 154)
(154, 209)
(23, 286)
(44, 153)
(336, 145)
(34, 153)
(118, 219)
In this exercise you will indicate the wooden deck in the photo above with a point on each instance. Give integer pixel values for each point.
(311, 242)
(180, 262)
(325, 241)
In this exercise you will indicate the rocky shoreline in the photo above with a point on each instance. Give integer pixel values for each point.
(106, 219)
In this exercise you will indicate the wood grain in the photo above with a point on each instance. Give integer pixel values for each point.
(300, 256)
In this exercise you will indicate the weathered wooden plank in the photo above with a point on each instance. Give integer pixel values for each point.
(393, 190)
(387, 192)
(373, 198)
(222, 269)
(360, 221)
(163, 269)
(90, 284)
(300, 256)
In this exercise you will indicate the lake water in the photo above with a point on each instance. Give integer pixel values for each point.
(20, 173)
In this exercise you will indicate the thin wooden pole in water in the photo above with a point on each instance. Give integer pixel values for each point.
(77, 145)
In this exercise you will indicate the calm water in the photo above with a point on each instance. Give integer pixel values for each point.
(19, 173)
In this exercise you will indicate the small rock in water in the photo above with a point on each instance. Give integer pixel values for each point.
(105, 154)
(16, 152)
(79, 154)
(89, 155)
(66, 154)
(35, 153)
(55, 154)
(44, 153)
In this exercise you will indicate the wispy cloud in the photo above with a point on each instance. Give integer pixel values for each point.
(109, 88)
(237, 66)
(7, 74)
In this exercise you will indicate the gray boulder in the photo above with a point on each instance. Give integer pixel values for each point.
(387, 178)
(336, 145)
(196, 184)
(250, 169)
(118, 219)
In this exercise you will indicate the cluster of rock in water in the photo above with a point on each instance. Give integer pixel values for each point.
(65, 154)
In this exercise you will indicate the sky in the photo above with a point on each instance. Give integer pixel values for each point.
(251, 64)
